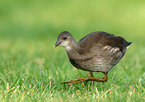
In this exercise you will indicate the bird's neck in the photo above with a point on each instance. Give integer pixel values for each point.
(72, 50)
(71, 46)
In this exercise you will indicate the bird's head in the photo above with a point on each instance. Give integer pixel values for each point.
(64, 39)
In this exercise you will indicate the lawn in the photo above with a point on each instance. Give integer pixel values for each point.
(31, 69)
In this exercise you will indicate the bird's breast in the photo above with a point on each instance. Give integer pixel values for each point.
(75, 63)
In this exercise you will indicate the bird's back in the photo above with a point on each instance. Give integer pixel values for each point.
(102, 38)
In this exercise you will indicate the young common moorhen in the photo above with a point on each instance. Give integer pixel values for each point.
(96, 52)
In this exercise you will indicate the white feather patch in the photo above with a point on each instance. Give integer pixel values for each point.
(67, 48)
(111, 48)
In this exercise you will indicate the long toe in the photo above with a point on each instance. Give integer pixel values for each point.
(70, 81)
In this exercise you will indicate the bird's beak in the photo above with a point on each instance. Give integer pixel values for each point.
(57, 43)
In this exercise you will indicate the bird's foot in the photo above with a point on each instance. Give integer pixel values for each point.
(75, 81)
(86, 79)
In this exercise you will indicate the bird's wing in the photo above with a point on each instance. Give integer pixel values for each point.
(105, 39)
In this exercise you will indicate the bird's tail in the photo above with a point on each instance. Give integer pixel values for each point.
(128, 44)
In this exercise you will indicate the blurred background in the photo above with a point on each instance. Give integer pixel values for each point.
(45, 19)
(29, 28)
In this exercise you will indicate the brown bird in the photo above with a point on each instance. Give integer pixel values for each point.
(97, 52)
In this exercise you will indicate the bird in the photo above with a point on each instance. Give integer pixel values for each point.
(96, 52)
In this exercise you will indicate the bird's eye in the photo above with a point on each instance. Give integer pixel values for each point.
(64, 38)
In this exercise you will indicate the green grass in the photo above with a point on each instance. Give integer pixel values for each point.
(32, 70)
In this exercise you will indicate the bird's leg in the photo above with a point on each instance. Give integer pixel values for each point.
(91, 75)
(75, 81)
